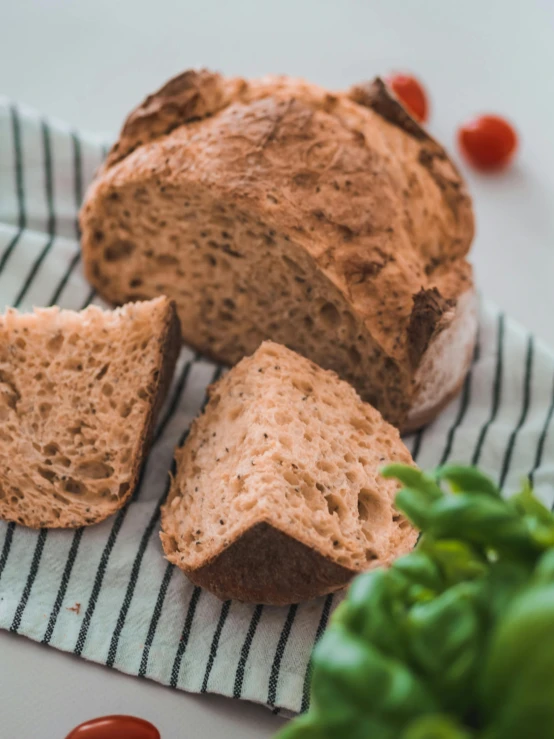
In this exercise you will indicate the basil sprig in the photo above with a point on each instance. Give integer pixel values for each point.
(456, 639)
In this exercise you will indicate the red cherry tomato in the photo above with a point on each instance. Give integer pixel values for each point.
(115, 727)
(488, 142)
(411, 94)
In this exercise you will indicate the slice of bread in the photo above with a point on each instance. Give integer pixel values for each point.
(79, 393)
(277, 496)
(274, 209)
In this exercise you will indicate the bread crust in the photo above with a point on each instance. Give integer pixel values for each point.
(359, 185)
(190, 96)
(265, 565)
(380, 98)
(170, 348)
(445, 361)
(170, 345)
(420, 419)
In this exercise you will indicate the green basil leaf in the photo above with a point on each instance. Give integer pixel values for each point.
(516, 683)
(526, 503)
(466, 480)
(504, 581)
(312, 726)
(455, 560)
(370, 610)
(436, 727)
(306, 726)
(445, 641)
(542, 536)
(544, 571)
(352, 679)
(420, 569)
(483, 521)
(416, 505)
(414, 478)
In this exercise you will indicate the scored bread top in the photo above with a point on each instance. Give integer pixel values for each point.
(349, 175)
(285, 458)
(78, 396)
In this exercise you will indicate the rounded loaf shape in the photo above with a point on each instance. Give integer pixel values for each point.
(277, 496)
(79, 395)
(328, 222)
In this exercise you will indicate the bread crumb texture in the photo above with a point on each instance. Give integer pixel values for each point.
(286, 457)
(331, 223)
(78, 395)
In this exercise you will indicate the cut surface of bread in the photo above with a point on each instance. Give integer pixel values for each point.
(328, 222)
(277, 496)
(79, 393)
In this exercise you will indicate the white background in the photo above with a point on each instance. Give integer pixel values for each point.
(89, 61)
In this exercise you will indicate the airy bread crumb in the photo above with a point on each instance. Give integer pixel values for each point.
(79, 393)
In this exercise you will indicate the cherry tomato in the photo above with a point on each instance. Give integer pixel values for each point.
(115, 727)
(411, 94)
(488, 142)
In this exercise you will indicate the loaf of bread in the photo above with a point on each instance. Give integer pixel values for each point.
(79, 393)
(328, 222)
(277, 496)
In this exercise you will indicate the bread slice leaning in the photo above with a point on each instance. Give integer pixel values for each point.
(277, 496)
(79, 394)
(329, 222)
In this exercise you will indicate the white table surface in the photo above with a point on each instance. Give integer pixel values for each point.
(89, 62)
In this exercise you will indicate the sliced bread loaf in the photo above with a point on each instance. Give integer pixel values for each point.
(277, 496)
(328, 222)
(79, 393)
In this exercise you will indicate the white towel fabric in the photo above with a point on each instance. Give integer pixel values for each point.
(105, 592)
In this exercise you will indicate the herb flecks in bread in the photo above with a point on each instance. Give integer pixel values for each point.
(79, 393)
(275, 209)
(277, 496)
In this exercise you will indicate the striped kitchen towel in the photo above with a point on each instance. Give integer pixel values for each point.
(105, 592)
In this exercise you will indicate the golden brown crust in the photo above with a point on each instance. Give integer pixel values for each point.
(423, 418)
(429, 311)
(446, 357)
(349, 178)
(378, 96)
(189, 96)
(170, 347)
(265, 565)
